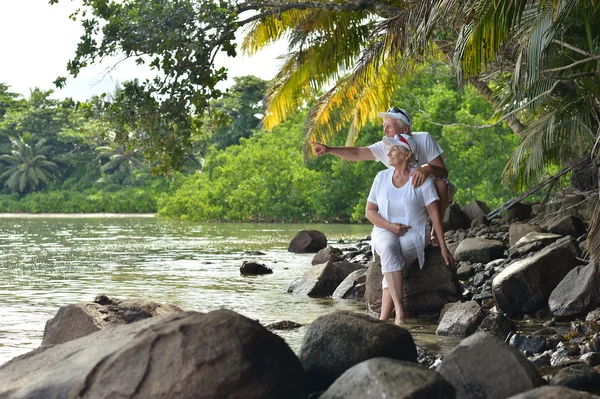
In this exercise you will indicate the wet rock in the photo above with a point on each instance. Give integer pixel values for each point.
(308, 241)
(475, 209)
(529, 343)
(254, 253)
(322, 280)
(516, 231)
(427, 289)
(565, 225)
(283, 325)
(577, 376)
(250, 268)
(337, 341)
(182, 355)
(498, 325)
(348, 288)
(327, 254)
(461, 320)
(553, 393)
(483, 295)
(577, 293)
(479, 250)
(525, 286)
(389, 378)
(77, 320)
(543, 359)
(506, 371)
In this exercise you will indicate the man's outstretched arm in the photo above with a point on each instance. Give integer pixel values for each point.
(349, 153)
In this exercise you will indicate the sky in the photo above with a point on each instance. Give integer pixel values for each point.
(37, 40)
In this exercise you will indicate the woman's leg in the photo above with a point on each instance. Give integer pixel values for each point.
(386, 304)
(395, 281)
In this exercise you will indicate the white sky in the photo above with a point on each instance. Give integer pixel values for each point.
(37, 40)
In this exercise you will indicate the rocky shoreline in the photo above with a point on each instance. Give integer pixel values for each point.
(526, 266)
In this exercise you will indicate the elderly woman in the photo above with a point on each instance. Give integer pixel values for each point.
(398, 212)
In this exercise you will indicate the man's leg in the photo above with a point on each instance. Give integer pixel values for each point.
(442, 190)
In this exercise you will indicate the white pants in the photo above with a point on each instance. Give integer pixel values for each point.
(395, 252)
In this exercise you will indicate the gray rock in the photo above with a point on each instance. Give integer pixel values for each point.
(529, 343)
(347, 288)
(321, 280)
(518, 211)
(565, 225)
(498, 325)
(327, 254)
(480, 221)
(464, 271)
(475, 209)
(77, 320)
(577, 376)
(591, 359)
(348, 267)
(516, 231)
(182, 355)
(553, 393)
(594, 315)
(254, 269)
(577, 293)
(455, 219)
(479, 250)
(542, 359)
(389, 378)
(461, 320)
(308, 241)
(525, 285)
(337, 341)
(427, 289)
(482, 366)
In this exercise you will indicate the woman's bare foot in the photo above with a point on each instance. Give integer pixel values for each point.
(399, 317)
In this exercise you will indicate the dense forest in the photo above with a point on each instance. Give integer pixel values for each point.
(62, 156)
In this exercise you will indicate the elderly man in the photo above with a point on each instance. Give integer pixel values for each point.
(398, 121)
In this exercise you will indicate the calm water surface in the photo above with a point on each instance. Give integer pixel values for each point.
(48, 262)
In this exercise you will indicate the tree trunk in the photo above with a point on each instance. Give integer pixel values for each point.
(513, 122)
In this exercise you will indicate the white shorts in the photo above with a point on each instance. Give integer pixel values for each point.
(395, 252)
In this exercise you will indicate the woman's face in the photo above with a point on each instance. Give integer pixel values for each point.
(397, 155)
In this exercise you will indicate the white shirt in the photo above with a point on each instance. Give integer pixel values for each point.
(415, 202)
(427, 148)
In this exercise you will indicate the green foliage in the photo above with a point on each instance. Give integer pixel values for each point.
(237, 113)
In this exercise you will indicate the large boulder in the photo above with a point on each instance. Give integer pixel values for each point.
(565, 225)
(479, 250)
(578, 376)
(475, 209)
(578, 293)
(322, 280)
(353, 286)
(482, 366)
(455, 219)
(389, 378)
(183, 355)
(525, 286)
(497, 324)
(80, 319)
(518, 211)
(427, 289)
(516, 231)
(532, 242)
(549, 392)
(308, 241)
(461, 320)
(337, 341)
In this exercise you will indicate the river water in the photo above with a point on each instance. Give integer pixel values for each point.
(48, 262)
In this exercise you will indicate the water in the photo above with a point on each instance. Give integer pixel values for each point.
(48, 262)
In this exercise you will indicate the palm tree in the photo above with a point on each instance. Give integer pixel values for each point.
(120, 159)
(29, 169)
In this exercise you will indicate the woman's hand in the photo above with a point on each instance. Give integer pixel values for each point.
(398, 228)
(447, 257)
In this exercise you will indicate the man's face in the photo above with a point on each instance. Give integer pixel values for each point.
(390, 127)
